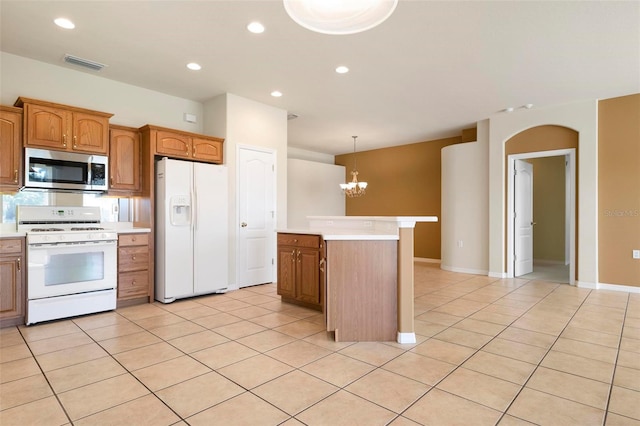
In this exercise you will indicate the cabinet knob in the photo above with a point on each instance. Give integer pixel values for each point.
(75, 140)
(111, 180)
(64, 141)
(19, 266)
(133, 257)
(243, 224)
(15, 176)
(194, 151)
(133, 238)
(133, 282)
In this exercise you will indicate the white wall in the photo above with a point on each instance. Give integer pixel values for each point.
(313, 190)
(132, 106)
(304, 154)
(465, 205)
(245, 122)
(580, 116)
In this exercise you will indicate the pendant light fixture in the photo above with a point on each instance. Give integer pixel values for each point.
(354, 188)
(339, 17)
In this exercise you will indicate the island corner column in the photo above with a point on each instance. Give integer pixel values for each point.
(406, 332)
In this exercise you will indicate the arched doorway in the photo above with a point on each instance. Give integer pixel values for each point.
(552, 239)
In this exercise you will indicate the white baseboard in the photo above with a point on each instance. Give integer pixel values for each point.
(406, 337)
(464, 270)
(583, 284)
(425, 260)
(549, 262)
(618, 287)
(498, 274)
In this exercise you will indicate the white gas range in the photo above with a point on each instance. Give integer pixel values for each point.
(72, 262)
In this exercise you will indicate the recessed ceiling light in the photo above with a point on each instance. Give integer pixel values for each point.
(193, 66)
(342, 69)
(64, 23)
(276, 94)
(527, 106)
(509, 109)
(256, 27)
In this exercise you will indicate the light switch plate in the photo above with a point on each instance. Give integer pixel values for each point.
(636, 254)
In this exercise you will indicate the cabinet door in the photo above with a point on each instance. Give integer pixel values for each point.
(207, 150)
(308, 275)
(124, 160)
(90, 133)
(173, 144)
(47, 127)
(11, 299)
(286, 271)
(10, 150)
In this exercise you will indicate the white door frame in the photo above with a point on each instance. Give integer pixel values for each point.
(273, 152)
(570, 155)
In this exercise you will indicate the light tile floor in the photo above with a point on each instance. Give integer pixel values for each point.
(490, 351)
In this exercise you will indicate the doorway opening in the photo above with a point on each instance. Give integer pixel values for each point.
(521, 221)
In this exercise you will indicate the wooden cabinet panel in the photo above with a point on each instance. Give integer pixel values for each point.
(133, 284)
(174, 144)
(308, 269)
(207, 150)
(133, 258)
(90, 133)
(287, 271)
(10, 148)
(300, 273)
(47, 127)
(133, 240)
(12, 281)
(124, 160)
(64, 128)
(133, 267)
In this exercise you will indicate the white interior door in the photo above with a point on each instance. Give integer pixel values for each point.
(256, 216)
(523, 221)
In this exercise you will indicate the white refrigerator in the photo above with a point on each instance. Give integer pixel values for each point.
(192, 229)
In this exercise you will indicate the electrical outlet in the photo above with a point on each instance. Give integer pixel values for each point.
(367, 224)
(636, 254)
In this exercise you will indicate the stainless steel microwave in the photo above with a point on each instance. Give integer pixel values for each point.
(69, 171)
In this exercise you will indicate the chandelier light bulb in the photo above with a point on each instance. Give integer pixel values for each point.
(354, 188)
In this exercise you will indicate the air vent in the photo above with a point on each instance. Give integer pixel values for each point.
(74, 60)
(291, 116)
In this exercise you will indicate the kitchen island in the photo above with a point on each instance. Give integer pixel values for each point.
(367, 263)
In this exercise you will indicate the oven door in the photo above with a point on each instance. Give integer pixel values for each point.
(66, 268)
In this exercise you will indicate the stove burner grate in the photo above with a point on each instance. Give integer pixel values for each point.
(88, 228)
(46, 229)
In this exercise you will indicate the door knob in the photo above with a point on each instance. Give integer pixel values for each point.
(243, 224)
(533, 223)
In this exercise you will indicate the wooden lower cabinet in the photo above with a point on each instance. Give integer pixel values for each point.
(12, 281)
(133, 267)
(300, 269)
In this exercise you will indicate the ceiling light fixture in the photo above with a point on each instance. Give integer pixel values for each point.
(193, 66)
(64, 23)
(255, 27)
(276, 94)
(342, 69)
(339, 17)
(354, 188)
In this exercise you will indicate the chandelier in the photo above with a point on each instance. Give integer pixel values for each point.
(354, 188)
(339, 16)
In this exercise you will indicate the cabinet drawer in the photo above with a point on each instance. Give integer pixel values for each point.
(10, 245)
(133, 239)
(133, 284)
(134, 258)
(299, 240)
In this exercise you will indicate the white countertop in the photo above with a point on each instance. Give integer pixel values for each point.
(359, 227)
(8, 230)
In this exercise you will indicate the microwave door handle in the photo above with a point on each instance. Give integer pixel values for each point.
(89, 177)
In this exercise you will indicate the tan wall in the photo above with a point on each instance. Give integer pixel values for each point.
(619, 190)
(549, 208)
(545, 138)
(403, 181)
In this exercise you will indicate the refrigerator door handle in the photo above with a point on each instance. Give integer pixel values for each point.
(194, 209)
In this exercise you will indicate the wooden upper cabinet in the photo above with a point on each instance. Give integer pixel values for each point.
(64, 128)
(185, 145)
(173, 144)
(124, 160)
(209, 149)
(10, 148)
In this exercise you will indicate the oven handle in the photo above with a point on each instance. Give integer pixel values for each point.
(78, 244)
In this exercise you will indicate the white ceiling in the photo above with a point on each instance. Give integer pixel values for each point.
(429, 71)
